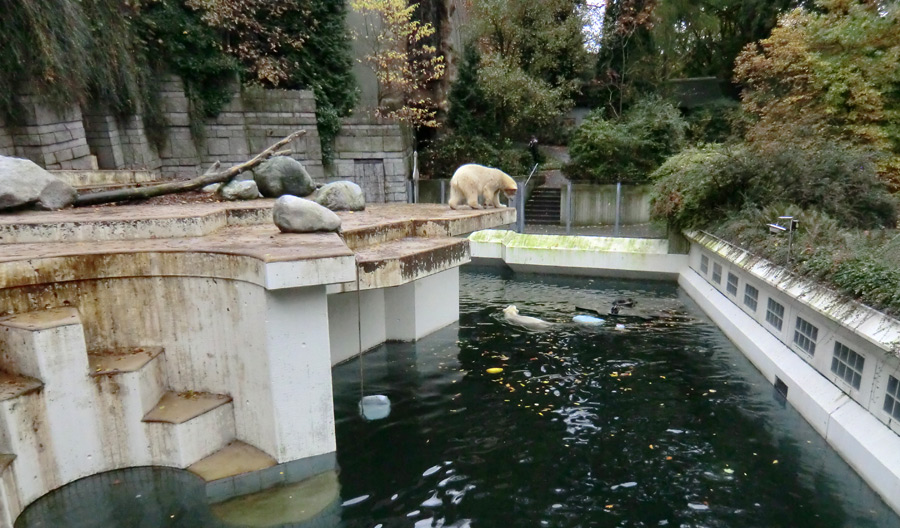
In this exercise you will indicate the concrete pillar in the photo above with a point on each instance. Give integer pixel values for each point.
(344, 317)
(299, 373)
(418, 308)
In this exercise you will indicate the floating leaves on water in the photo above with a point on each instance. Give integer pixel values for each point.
(729, 471)
(494, 370)
(355, 500)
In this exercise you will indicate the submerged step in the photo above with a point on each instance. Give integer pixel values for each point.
(179, 407)
(234, 459)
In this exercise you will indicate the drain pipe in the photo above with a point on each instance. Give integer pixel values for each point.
(618, 206)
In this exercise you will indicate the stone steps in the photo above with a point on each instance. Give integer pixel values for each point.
(543, 206)
(184, 427)
(116, 400)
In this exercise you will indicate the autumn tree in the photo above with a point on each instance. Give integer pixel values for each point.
(831, 73)
(252, 33)
(402, 60)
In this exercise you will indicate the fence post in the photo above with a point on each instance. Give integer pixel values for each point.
(618, 206)
(443, 190)
(520, 208)
(570, 201)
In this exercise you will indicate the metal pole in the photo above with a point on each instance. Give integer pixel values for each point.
(443, 190)
(520, 208)
(618, 206)
(569, 203)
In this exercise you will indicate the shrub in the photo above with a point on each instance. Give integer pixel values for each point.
(626, 149)
(701, 184)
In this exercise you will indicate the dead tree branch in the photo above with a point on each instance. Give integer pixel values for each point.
(141, 193)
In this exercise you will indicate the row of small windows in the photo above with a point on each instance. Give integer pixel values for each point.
(845, 363)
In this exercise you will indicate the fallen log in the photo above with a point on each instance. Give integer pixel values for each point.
(142, 193)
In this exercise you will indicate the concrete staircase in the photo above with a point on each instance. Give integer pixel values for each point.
(67, 413)
(543, 206)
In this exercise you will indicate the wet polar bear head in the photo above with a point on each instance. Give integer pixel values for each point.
(471, 182)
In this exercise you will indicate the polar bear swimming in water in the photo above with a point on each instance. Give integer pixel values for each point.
(471, 181)
(511, 314)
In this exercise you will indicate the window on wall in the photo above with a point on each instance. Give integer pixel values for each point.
(731, 287)
(775, 314)
(704, 264)
(892, 398)
(751, 295)
(717, 273)
(847, 364)
(805, 336)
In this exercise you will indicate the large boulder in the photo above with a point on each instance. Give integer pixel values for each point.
(298, 215)
(239, 190)
(341, 196)
(283, 175)
(22, 182)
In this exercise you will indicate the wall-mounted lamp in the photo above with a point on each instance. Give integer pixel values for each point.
(790, 225)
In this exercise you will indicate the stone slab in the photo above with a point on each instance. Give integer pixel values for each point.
(176, 408)
(121, 360)
(234, 459)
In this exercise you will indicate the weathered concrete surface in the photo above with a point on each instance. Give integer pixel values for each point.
(109, 309)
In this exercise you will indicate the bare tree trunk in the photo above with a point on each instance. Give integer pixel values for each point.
(141, 193)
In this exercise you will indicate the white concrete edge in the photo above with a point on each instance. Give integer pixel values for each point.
(314, 272)
(875, 327)
(866, 444)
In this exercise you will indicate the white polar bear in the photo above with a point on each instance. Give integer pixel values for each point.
(511, 314)
(471, 181)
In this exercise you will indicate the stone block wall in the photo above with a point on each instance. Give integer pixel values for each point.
(373, 154)
(7, 146)
(54, 139)
(178, 155)
(368, 151)
(119, 143)
(273, 114)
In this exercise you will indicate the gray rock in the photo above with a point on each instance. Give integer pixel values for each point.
(341, 196)
(283, 175)
(297, 215)
(211, 188)
(23, 182)
(239, 190)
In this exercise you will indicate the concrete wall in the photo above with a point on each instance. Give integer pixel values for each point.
(596, 204)
(53, 138)
(374, 154)
(851, 419)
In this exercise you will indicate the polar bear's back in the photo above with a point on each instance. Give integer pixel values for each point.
(472, 172)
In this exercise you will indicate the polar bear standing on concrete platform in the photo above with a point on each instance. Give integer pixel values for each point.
(471, 181)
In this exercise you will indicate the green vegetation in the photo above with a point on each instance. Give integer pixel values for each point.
(626, 149)
(113, 53)
(821, 101)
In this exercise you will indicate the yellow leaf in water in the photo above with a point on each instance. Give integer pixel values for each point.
(494, 370)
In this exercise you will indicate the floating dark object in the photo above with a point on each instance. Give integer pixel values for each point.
(628, 303)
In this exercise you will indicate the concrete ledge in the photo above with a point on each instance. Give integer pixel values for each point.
(870, 447)
(577, 255)
(408, 259)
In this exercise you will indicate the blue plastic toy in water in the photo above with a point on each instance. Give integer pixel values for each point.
(588, 320)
